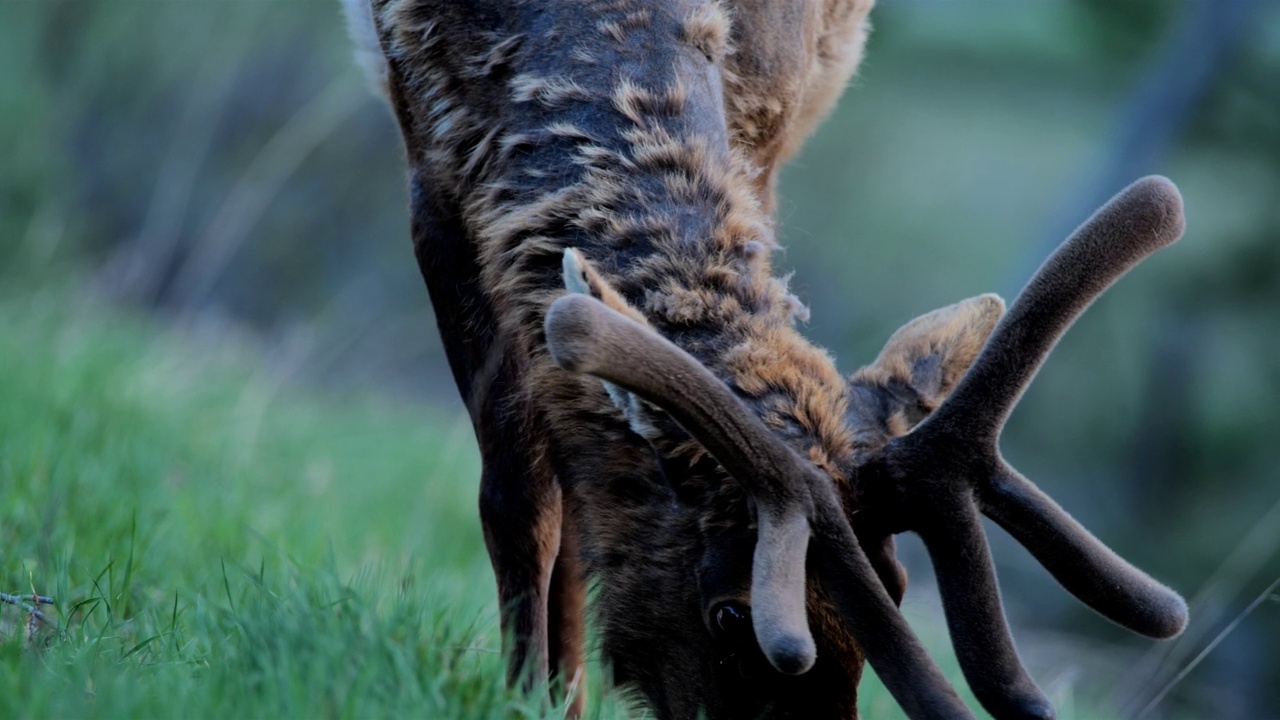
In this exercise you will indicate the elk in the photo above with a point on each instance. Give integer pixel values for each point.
(591, 216)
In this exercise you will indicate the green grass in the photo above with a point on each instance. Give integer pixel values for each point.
(223, 545)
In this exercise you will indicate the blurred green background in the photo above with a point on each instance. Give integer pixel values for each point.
(212, 178)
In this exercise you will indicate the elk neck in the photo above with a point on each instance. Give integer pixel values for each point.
(600, 126)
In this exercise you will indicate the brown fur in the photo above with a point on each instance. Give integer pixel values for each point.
(785, 64)
(587, 144)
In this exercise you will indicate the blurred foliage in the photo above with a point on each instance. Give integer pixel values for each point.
(221, 163)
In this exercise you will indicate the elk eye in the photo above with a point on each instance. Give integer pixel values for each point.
(733, 621)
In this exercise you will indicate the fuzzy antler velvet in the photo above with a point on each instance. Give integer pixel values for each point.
(938, 477)
(586, 336)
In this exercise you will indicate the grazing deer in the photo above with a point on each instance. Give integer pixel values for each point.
(661, 427)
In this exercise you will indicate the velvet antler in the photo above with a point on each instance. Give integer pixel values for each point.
(585, 336)
(938, 477)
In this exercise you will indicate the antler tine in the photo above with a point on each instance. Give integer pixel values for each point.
(586, 336)
(891, 647)
(975, 614)
(1141, 219)
(1086, 568)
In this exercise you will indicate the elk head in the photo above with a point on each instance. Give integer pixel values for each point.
(791, 592)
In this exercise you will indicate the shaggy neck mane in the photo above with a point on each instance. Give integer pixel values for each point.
(605, 132)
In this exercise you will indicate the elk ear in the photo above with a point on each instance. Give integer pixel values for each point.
(922, 362)
(931, 353)
(581, 278)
